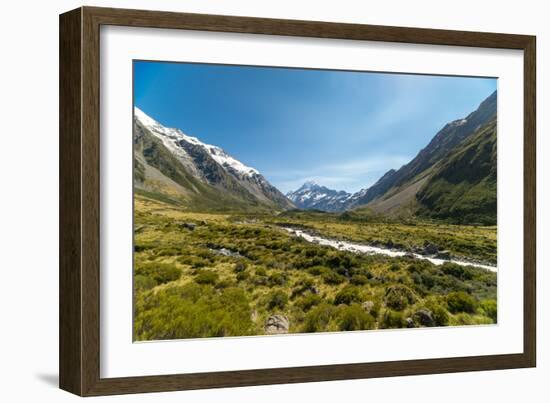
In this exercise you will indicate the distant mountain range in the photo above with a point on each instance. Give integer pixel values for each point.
(311, 196)
(452, 178)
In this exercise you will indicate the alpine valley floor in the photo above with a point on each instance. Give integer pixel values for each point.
(205, 274)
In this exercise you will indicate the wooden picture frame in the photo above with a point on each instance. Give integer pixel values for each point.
(79, 346)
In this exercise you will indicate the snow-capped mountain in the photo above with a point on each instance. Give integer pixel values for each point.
(311, 196)
(175, 139)
(192, 164)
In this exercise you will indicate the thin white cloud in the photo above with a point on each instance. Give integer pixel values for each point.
(347, 175)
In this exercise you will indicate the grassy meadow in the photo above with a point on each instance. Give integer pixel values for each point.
(204, 274)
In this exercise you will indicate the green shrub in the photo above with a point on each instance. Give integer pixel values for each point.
(317, 270)
(489, 307)
(394, 267)
(465, 319)
(439, 314)
(354, 317)
(195, 262)
(224, 284)
(160, 273)
(332, 278)
(168, 251)
(308, 301)
(143, 283)
(392, 320)
(277, 279)
(398, 297)
(303, 286)
(372, 306)
(461, 302)
(239, 267)
(318, 318)
(347, 295)
(455, 270)
(359, 279)
(428, 280)
(192, 311)
(207, 277)
(243, 275)
(277, 299)
(261, 271)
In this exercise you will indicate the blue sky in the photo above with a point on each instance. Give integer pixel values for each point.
(341, 129)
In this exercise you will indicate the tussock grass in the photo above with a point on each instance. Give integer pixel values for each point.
(187, 284)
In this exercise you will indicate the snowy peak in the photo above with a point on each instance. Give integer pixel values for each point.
(206, 163)
(312, 196)
(172, 139)
(228, 162)
(309, 185)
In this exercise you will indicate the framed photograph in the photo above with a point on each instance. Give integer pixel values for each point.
(248, 201)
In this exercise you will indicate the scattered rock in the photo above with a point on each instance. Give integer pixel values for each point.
(367, 305)
(247, 221)
(424, 317)
(410, 322)
(430, 248)
(277, 324)
(443, 254)
(226, 252)
(313, 289)
(187, 225)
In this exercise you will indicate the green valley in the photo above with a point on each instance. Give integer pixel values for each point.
(219, 251)
(204, 274)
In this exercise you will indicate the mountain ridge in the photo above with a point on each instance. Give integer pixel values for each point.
(167, 161)
(422, 186)
(312, 196)
(445, 139)
(200, 169)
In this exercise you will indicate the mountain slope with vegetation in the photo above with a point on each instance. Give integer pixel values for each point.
(173, 166)
(443, 142)
(453, 178)
(464, 186)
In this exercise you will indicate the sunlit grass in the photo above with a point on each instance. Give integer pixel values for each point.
(211, 275)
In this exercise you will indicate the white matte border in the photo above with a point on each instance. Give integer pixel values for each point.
(120, 357)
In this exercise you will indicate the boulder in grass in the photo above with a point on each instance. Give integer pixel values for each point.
(424, 317)
(430, 248)
(277, 324)
(187, 225)
(367, 306)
